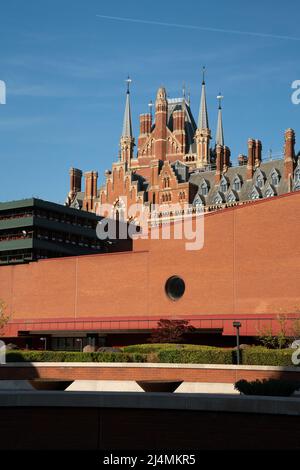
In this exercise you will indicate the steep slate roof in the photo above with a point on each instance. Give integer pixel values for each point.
(246, 187)
(180, 104)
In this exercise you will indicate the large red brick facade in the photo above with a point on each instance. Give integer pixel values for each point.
(248, 269)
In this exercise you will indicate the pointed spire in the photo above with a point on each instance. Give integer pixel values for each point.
(150, 106)
(127, 126)
(220, 134)
(203, 117)
(189, 97)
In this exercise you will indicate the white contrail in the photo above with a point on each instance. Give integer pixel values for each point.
(202, 28)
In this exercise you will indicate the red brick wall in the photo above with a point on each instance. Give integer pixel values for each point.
(84, 372)
(249, 267)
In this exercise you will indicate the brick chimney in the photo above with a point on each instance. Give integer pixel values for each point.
(90, 193)
(145, 129)
(226, 158)
(75, 180)
(178, 127)
(219, 163)
(161, 106)
(289, 153)
(251, 159)
(257, 153)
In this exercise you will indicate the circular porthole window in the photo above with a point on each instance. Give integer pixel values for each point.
(175, 287)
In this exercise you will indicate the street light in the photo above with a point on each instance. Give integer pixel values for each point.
(45, 342)
(237, 325)
(79, 340)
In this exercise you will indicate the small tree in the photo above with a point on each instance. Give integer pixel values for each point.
(171, 331)
(4, 317)
(278, 340)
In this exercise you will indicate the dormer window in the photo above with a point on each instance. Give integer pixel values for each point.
(259, 181)
(217, 199)
(204, 189)
(231, 197)
(297, 175)
(254, 194)
(223, 185)
(269, 192)
(198, 201)
(275, 178)
(237, 183)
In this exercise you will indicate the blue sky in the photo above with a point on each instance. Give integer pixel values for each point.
(65, 67)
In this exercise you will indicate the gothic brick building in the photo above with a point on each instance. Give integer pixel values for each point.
(248, 268)
(177, 163)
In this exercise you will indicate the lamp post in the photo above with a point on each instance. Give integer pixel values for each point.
(45, 342)
(79, 340)
(237, 325)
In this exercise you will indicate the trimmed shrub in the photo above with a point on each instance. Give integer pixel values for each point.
(147, 348)
(119, 357)
(267, 387)
(259, 355)
(200, 356)
(155, 347)
(64, 356)
(173, 353)
(152, 357)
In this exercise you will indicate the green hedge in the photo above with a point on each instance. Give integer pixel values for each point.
(164, 353)
(155, 347)
(200, 356)
(258, 355)
(63, 356)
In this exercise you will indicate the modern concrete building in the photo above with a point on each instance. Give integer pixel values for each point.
(33, 229)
